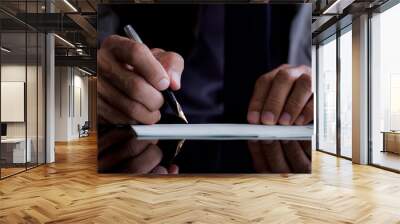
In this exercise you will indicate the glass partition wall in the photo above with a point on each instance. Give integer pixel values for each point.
(22, 77)
(385, 89)
(334, 94)
(334, 106)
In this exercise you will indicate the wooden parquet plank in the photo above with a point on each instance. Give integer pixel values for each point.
(71, 191)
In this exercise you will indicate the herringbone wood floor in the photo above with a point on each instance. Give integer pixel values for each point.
(71, 191)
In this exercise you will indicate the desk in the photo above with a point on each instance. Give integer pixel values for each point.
(391, 141)
(13, 150)
(202, 156)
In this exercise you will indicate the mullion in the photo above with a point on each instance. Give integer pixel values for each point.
(37, 91)
(338, 95)
(26, 87)
(317, 96)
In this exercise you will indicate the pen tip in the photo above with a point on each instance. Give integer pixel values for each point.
(180, 112)
(183, 117)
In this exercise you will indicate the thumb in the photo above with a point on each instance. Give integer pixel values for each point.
(173, 64)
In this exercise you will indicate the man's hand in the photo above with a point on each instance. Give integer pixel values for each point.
(282, 96)
(131, 78)
(120, 151)
(281, 156)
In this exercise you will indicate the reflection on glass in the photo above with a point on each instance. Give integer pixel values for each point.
(121, 152)
(385, 84)
(327, 97)
(346, 94)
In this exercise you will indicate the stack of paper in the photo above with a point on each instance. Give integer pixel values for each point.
(222, 131)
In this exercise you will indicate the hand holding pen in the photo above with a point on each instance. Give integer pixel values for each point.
(131, 78)
(169, 96)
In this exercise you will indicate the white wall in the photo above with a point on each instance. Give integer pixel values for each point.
(80, 102)
(70, 84)
(62, 81)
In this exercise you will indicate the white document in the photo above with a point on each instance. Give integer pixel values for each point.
(222, 131)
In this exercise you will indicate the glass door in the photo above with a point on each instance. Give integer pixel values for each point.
(327, 96)
(14, 154)
(22, 77)
(385, 89)
(346, 95)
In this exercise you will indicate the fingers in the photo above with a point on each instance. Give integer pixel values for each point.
(109, 114)
(133, 109)
(156, 51)
(140, 91)
(279, 92)
(173, 169)
(107, 139)
(275, 157)
(145, 162)
(135, 75)
(280, 156)
(259, 163)
(139, 56)
(282, 96)
(307, 115)
(120, 152)
(262, 87)
(260, 93)
(306, 146)
(159, 170)
(297, 157)
(132, 85)
(173, 64)
(297, 99)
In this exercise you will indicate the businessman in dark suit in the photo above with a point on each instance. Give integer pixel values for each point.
(230, 63)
